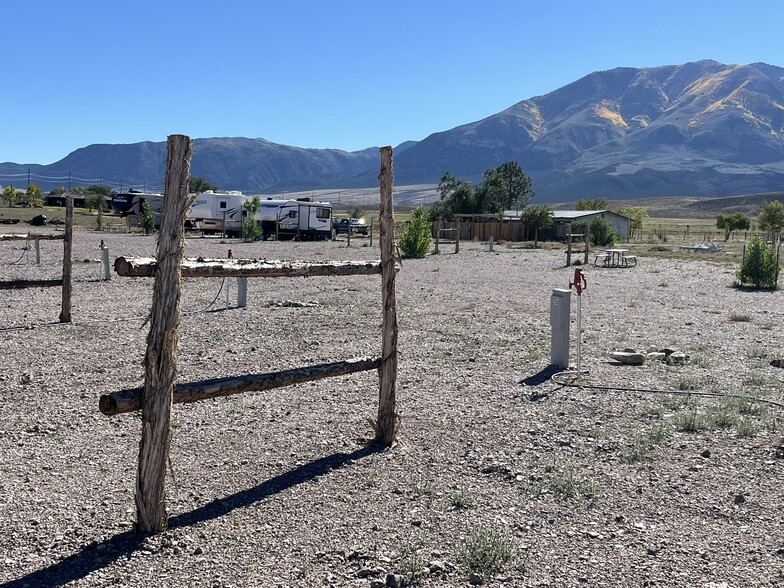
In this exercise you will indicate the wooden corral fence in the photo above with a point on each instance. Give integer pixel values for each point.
(65, 282)
(447, 236)
(481, 227)
(160, 391)
(570, 240)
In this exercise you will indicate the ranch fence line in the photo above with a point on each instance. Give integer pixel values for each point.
(65, 282)
(160, 391)
(481, 227)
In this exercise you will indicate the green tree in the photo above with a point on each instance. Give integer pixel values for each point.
(57, 191)
(416, 235)
(505, 187)
(592, 204)
(538, 217)
(771, 217)
(9, 195)
(636, 215)
(457, 194)
(252, 226)
(101, 189)
(732, 222)
(759, 267)
(440, 210)
(94, 200)
(34, 195)
(198, 185)
(147, 219)
(603, 234)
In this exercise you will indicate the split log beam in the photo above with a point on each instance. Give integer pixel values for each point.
(29, 237)
(21, 284)
(141, 267)
(131, 400)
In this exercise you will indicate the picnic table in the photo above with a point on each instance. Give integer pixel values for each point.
(615, 258)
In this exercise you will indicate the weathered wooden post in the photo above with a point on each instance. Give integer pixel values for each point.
(585, 243)
(65, 311)
(457, 240)
(438, 234)
(160, 365)
(568, 244)
(37, 251)
(386, 425)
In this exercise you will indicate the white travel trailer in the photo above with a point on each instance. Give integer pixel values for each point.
(218, 211)
(299, 219)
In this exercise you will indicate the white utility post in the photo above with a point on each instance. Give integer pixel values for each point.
(560, 303)
(242, 292)
(105, 265)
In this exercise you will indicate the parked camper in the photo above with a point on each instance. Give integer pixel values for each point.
(218, 211)
(298, 219)
(129, 205)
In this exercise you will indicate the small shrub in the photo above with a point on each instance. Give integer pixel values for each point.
(643, 444)
(415, 236)
(723, 415)
(688, 383)
(461, 499)
(412, 565)
(147, 219)
(747, 428)
(739, 317)
(603, 234)
(691, 422)
(759, 268)
(486, 551)
(251, 226)
(568, 484)
(700, 360)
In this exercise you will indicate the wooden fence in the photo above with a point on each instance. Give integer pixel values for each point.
(65, 282)
(160, 391)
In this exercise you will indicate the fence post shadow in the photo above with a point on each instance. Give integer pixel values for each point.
(98, 555)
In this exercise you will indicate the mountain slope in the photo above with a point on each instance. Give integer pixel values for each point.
(701, 128)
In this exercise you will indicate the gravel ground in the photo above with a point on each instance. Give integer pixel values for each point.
(589, 485)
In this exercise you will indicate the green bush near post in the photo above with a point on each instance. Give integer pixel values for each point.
(603, 234)
(415, 236)
(759, 267)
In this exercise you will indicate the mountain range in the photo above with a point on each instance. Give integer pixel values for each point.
(701, 128)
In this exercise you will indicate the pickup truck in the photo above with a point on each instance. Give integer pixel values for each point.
(357, 226)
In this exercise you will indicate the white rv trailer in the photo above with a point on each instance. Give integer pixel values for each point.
(218, 211)
(298, 219)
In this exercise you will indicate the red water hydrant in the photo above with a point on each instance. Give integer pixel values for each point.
(579, 283)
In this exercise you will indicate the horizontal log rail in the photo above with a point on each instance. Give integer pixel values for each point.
(144, 267)
(131, 400)
(29, 237)
(21, 284)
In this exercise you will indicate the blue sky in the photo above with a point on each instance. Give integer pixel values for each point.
(341, 74)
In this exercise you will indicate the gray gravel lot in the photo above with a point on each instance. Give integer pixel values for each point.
(588, 485)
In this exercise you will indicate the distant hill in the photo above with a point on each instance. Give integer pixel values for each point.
(702, 129)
